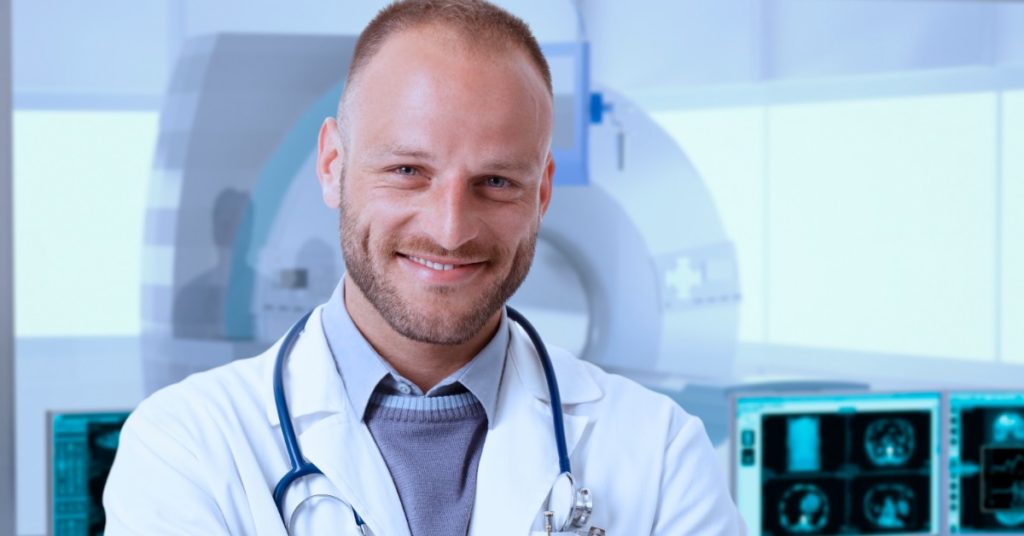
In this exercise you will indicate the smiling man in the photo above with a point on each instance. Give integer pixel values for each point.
(423, 406)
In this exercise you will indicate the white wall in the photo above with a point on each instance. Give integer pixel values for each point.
(654, 46)
(119, 53)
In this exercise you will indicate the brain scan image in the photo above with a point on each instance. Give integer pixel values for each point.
(1008, 427)
(889, 442)
(803, 509)
(890, 506)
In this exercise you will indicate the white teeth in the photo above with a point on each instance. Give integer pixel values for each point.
(432, 265)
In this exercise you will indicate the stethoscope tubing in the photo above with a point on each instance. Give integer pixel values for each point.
(553, 392)
(299, 466)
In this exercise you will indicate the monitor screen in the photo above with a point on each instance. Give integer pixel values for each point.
(838, 464)
(986, 461)
(82, 447)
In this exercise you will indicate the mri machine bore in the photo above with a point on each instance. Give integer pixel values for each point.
(633, 270)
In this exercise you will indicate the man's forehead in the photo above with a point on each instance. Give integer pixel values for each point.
(437, 38)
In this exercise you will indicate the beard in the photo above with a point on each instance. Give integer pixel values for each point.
(365, 263)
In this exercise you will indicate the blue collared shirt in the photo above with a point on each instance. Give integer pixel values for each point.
(364, 372)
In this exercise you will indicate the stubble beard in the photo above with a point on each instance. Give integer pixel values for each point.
(451, 328)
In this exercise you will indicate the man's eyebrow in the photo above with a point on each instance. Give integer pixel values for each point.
(403, 150)
(411, 151)
(508, 165)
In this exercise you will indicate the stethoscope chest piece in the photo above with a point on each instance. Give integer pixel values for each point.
(571, 506)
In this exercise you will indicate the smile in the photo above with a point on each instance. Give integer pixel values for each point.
(432, 265)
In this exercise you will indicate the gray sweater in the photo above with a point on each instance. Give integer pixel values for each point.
(432, 448)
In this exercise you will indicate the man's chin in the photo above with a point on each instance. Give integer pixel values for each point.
(438, 324)
(442, 334)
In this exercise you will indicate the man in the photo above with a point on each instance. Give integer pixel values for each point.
(422, 403)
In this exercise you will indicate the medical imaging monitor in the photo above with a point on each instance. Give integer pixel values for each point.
(81, 448)
(986, 463)
(863, 463)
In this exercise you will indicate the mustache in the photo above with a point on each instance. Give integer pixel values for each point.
(422, 245)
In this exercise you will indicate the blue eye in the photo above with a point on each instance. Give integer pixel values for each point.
(405, 170)
(496, 182)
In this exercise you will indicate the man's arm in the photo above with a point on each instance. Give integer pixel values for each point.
(694, 498)
(155, 488)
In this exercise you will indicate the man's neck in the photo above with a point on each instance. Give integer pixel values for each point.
(422, 363)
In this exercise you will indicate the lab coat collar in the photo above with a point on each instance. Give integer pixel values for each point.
(575, 383)
(519, 462)
(311, 380)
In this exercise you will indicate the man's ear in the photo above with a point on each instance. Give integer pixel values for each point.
(546, 184)
(330, 157)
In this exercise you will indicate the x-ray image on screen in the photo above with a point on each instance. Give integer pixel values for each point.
(986, 485)
(82, 446)
(838, 465)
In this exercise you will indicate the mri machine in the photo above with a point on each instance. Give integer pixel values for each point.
(633, 269)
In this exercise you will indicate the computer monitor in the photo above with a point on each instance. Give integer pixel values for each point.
(837, 463)
(81, 451)
(986, 463)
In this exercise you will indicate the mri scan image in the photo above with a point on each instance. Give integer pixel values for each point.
(803, 509)
(889, 442)
(839, 473)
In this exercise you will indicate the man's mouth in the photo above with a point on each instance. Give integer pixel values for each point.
(433, 265)
(440, 265)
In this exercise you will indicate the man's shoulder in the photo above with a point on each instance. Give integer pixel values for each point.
(218, 393)
(621, 398)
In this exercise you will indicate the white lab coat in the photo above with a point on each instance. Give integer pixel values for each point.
(203, 456)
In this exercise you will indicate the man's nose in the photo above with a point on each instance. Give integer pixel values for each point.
(449, 216)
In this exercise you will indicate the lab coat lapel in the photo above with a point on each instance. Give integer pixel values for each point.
(333, 437)
(519, 462)
(342, 447)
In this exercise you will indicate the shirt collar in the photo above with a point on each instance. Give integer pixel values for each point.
(363, 371)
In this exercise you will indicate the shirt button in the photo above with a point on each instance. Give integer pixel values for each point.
(404, 388)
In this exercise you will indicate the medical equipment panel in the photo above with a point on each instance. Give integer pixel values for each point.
(81, 451)
(838, 464)
(570, 80)
(986, 462)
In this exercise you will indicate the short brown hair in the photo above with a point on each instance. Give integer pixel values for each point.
(476, 20)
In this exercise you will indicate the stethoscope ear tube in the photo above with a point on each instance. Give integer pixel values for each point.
(549, 375)
(299, 467)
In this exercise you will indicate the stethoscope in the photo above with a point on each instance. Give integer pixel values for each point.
(576, 503)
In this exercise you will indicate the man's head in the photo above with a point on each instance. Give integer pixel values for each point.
(441, 165)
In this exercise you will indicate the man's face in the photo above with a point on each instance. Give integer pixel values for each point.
(446, 175)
